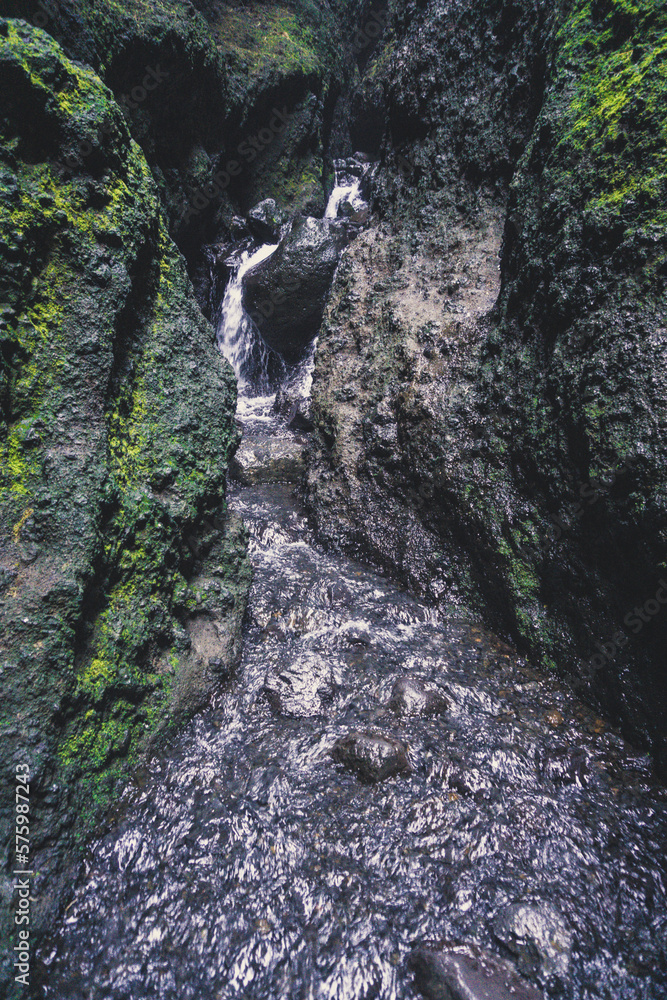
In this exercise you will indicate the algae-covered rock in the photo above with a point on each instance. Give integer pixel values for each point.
(511, 460)
(230, 104)
(122, 576)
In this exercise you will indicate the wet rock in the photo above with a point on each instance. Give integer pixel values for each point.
(412, 696)
(268, 460)
(266, 220)
(372, 756)
(300, 417)
(285, 294)
(303, 687)
(75, 438)
(466, 972)
(239, 229)
(539, 936)
(297, 410)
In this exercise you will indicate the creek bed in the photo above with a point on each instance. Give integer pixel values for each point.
(251, 863)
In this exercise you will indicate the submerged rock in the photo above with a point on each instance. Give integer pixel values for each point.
(373, 756)
(539, 935)
(466, 972)
(286, 293)
(412, 696)
(303, 687)
(268, 460)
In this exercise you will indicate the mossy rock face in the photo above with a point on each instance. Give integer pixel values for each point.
(117, 425)
(578, 359)
(200, 83)
(524, 451)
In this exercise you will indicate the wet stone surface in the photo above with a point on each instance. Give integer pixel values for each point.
(372, 756)
(411, 696)
(468, 973)
(248, 863)
(539, 936)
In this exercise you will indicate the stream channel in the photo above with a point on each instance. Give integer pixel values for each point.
(375, 777)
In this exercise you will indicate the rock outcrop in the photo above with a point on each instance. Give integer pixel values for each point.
(123, 579)
(285, 294)
(495, 435)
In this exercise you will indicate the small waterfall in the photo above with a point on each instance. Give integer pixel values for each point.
(238, 338)
(260, 371)
(347, 189)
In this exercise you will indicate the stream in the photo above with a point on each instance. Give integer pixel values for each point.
(375, 777)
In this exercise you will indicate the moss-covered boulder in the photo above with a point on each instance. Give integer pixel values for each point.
(123, 580)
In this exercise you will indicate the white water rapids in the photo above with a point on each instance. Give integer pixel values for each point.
(342, 193)
(237, 335)
(239, 339)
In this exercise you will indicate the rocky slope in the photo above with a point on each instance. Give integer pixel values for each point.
(123, 580)
(510, 458)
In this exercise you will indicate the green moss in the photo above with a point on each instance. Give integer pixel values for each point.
(267, 38)
(615, 132)
(116, 427)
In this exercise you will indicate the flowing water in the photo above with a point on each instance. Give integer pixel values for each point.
(238, 338)
(346, 191)
(250, 863)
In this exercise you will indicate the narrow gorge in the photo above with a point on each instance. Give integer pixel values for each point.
(333, 565)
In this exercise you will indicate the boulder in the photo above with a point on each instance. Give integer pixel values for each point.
(285, 294)
(266, 220)
(372, 756)
(466, 972)
(296, 409)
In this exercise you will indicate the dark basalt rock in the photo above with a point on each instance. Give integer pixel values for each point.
(286, 293)
(297, 410)
(522, 471)
(300, 417)
(266, 220)
(412, 696)
(466, 972)
(372, 756)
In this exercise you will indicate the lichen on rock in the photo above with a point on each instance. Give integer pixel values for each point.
(117, 429)
(497, 441)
